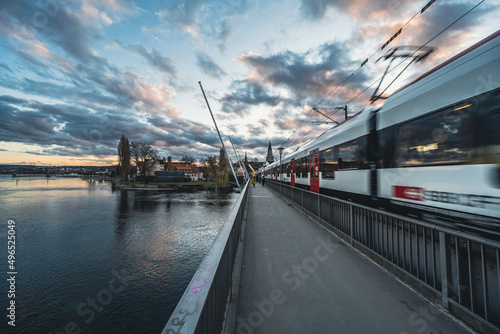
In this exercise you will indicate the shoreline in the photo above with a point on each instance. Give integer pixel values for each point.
(167, 186)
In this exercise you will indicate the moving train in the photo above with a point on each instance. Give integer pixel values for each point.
(432, 151)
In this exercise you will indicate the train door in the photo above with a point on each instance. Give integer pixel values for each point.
(314, 171)
(292, 173)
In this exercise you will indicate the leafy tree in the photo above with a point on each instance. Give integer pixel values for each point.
(222, 179)
(187, 159)
(124, 157)
(144, 157)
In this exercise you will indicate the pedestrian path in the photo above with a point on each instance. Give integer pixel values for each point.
(297, 277)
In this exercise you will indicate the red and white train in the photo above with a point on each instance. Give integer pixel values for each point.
(432, 151)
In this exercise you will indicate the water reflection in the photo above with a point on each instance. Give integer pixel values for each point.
(122, 214)
(144, 201)
(82, 231)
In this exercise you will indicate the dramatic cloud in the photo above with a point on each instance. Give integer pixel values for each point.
(85, 132)
(244, 94)
(368, 9)
(208, 66)
(314, 73)
(210, 19)
(154, 58)
(184, 15)
(77, 75)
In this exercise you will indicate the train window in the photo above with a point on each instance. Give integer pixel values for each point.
(328, 163)
(387, 145)
(362, 152)
(440, 138)
(302, 167)
(348, 155)
(305, 170)
(493, 135)
(287, 168)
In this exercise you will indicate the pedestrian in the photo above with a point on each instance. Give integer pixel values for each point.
(253, 181)
(263, 180)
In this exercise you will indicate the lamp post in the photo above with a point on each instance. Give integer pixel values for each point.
(280, 149)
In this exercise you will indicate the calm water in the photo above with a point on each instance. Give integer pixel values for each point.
(101, 260)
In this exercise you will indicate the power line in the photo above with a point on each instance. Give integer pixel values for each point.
(418, 49)
(364, 62)
(336, 90)
(377, 50)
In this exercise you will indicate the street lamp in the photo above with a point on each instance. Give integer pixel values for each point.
(280, 149)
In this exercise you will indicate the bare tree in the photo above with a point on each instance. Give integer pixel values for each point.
(124, 158)
(222, 179)
(144, 157)
(187, 159)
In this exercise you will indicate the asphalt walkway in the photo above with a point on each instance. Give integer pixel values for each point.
(297, 277)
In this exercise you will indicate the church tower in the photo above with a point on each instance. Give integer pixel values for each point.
(270, 156)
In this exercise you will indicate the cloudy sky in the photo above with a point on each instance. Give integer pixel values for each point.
(76, 75)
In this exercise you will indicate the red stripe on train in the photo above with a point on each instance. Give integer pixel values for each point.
(413, 193)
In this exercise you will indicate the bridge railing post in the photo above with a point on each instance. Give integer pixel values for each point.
(443, 252)
(302, 194)
(319, 208)
(351, 224)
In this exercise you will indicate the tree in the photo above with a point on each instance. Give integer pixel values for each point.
(144, 157)
(187, 159)
(222, 179)
(124, 157)
(210, 163)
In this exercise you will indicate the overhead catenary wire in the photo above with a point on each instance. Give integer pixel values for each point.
(418, 49)
(379, 49)
(350, 76)
(337, 89)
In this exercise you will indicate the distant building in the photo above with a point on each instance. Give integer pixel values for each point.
(190, 170)
(270, 156)
(159, 165)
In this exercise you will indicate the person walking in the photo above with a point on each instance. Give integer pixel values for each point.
(253, 181)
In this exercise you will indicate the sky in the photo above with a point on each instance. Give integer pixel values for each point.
(75, 75)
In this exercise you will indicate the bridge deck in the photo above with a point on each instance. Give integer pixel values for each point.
(297, 277)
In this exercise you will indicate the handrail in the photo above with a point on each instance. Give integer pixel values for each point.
(471, 237)
(203, 305)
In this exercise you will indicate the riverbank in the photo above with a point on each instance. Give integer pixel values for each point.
(180, 186)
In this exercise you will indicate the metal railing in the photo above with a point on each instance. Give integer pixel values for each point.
(460, 269)
(203, 305)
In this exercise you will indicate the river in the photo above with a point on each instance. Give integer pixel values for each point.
(101, 261)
